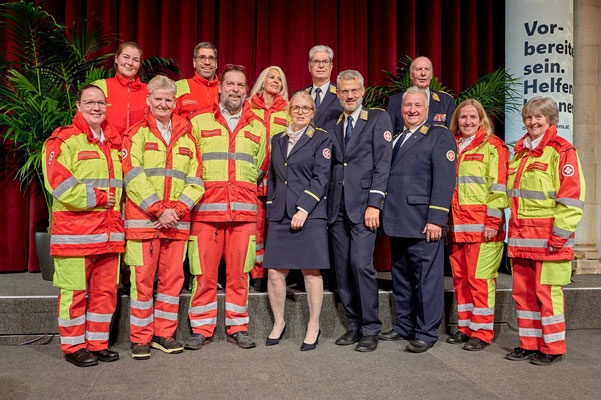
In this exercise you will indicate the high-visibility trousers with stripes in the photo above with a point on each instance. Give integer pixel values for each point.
(539, 304)
(165, 258)
(475, 268)
(85, 323)
(235, 241)
(258, 271)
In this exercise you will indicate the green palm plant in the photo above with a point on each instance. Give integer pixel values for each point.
(496, 91)
(40, 75)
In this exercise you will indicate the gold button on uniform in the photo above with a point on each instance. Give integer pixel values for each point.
(285, 182)
(345, 164)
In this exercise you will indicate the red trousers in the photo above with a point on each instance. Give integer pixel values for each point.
(85, 323)
(540, 307)
(475, 268)
(235, 241)
(165, 258)
(258, 271)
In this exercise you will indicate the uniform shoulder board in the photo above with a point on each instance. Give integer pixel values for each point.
(320, 129)
(435, 96)
(446, 94)
(377, 108)
(307, 89)
(363, 115)
(441, 126)
(333, 89)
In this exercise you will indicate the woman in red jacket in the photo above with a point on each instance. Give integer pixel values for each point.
(476, 223)
(125, 93)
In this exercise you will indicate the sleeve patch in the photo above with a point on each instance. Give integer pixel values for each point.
(388, 136)
(567, 170)
(123, 153)
(50, 158)
(451, 155)
(326, 153)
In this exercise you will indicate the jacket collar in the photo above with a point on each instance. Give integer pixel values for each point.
(135, 83)
(110, 133)
(205, 82)
(278, 103)
(179, 126)
(549, 135)
(477, 141)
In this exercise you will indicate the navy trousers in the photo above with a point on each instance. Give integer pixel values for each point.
(418, 287)
(353, 249)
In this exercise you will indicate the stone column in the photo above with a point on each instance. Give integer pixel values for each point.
(587, 128)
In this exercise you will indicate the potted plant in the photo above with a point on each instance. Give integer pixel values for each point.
(40, 75)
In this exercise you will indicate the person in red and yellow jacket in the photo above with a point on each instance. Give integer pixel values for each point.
(202, 89)
(125, 93)
(162, 180)
(546, 194)
(82, 172)
(477, 223)
(233, 142)
(269, 102)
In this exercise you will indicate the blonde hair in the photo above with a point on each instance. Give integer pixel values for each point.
(544, 105)
(258, 86)
(161, 82)
(484, 121)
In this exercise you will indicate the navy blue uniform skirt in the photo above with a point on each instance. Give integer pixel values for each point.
(303, 249)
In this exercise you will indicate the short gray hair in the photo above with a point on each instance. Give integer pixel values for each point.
(321, 47)
(161, 82)
(412, 65)
(205, 45)
(349, 75)
(415, 89)
(544, 105)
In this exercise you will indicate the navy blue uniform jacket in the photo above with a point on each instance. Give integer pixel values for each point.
(301, 178)
(422, 181)
(329, 109)
(360, 172)
(441, 109)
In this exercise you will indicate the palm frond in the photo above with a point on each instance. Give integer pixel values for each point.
(154, 66)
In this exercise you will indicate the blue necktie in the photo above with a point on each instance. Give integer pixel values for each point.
(349, 129)
(317, 98)
(399, 142)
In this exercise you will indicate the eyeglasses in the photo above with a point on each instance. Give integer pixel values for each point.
(325, 62)
(345, 92)
(204, 58)
(301, 110)
(90, 104)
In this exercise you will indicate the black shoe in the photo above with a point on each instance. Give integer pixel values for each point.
(367, 343)
(260, 285)
(167, 344)
(140, 351)
(272, 342)
(519, 354)
(81, 358)
(348, 338)
(392, 335)
(475, 344)
(310, 346)
(545, 359)
(106, 355)
(458, 338)
(196, 341)
(417, 346)
(242, 340)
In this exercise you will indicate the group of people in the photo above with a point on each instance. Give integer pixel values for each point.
(197, 169)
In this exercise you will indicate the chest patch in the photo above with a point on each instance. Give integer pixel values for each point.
(252, 137)
(280, 121)
(214, 132)
(185, 151)
(473, 157)
(151, 146)
(87, 155)
(538, 165)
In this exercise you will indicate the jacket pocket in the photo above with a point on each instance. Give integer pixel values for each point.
(366, 183)
(415, 200)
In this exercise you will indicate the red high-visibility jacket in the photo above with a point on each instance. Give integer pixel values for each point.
(195, 94)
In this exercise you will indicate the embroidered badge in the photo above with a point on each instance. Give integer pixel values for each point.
(280, 121)
(332, 89)
(326, 154)
(539, 165)
(567, 170)
(151, 146)
(387, 136)
(423, 129)
(435, 96)
(185, 151)
(252, 137)
(214, 132)
(123, 153)
(450, 155)
(50, 158)
(440, 117)
(473, 157)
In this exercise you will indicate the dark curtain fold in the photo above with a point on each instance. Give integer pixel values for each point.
(463, 38)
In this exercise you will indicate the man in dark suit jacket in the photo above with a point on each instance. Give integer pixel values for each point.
(420, 189)
(361, 141)
(323, 91)
(441, 106)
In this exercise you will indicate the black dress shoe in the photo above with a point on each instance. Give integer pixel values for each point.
(367, 343)
(417, 346)
(348, 338)
(545, 359)
(310, 346)
(272, 342)
(392, 335)
(81, 358)
(519, 354)
(475, 344)
(458, 338)
(106, 355)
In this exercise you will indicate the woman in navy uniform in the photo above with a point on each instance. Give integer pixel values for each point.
(296, 209)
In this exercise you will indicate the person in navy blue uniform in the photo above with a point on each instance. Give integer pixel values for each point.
(420, 189)
(441, 106)
(299, 172)
(362, 151)
(322, 90)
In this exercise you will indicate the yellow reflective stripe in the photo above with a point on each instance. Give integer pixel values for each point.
(312, 195)
(440, 208)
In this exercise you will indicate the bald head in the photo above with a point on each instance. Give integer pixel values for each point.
(421, 72)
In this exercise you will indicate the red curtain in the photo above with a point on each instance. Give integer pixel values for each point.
(463, 38)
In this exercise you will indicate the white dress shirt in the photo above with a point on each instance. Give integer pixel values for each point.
(530, 144)
(231, 119)
(165, 131)
(355, 114)
(463, 143)
(323, 88)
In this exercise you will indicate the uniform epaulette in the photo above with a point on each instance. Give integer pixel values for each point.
(320, 129)
(448, 94)
(377, 108)
(440, 126)
(339, 118)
